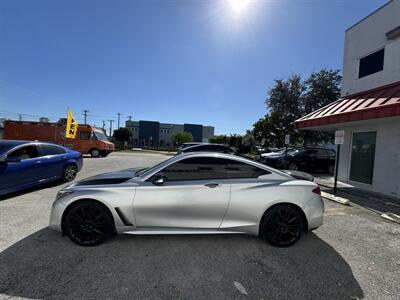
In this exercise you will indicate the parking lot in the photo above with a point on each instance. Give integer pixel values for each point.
(354, 255)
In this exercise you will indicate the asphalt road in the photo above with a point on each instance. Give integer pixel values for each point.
(355, 254)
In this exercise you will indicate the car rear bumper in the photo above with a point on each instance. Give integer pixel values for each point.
(314, 211)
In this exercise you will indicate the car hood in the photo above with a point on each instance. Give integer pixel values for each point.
(108, 178)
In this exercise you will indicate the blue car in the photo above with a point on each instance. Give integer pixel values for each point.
(24, 164)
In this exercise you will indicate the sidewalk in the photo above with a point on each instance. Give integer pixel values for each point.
(375, 201)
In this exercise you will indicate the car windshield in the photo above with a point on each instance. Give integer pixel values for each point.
(294, 151)
(100, 136)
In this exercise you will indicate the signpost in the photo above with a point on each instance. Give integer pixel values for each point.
(287, 142)
(339, 140)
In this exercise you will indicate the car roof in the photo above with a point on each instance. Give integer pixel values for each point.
(7, 145)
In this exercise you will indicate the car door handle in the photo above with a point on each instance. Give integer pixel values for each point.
(37, 162)
(212, 184)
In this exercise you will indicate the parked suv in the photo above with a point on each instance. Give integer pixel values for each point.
(310, 159)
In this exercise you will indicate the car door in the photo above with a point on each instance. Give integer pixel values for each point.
(195, 194)
(52, 162)
(23, 172)
(310, 159)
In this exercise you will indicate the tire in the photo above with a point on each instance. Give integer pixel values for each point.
(95, 153)
(88, 223)
(282, 225)
(331, 169)
(70, 173)
(292, 166)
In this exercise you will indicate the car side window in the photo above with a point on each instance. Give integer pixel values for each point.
(51, 150)
(310, 152)
(26, 152)
(197, 168)
(84, 135)
(236, 169)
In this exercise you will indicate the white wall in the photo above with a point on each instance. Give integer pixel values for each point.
(386, 176)
(366, 37)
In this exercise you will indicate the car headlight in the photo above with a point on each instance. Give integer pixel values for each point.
(62, 194)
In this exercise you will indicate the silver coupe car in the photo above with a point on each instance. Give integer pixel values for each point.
(193, 193)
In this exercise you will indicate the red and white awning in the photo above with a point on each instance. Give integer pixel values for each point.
(376, 103)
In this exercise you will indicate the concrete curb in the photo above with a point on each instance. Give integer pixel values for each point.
(391, 217)
(337, 199)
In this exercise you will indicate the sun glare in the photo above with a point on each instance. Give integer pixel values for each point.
(239, 6)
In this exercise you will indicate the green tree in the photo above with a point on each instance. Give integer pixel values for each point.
(219, 139)
(122, 134)
(182, 137)
(322, 88)
(284, 101)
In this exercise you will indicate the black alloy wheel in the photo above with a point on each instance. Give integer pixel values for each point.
(331, 169)
(70, 173)
(292, 166)
(282, 226)
(88, 223)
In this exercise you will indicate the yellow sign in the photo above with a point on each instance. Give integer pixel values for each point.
(72, 126)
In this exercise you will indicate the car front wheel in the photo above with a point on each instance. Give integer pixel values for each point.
(282, 226)
(88, 223)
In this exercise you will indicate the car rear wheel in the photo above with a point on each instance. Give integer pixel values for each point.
(331, 169)
(292, 167)
(95, 153)
(88, 223)
(282, 226)
(70, 173)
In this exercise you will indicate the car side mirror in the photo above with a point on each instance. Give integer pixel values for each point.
(158, 179)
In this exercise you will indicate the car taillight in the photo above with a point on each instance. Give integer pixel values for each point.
(317, 190)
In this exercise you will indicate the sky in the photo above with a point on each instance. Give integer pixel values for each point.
(201, 62)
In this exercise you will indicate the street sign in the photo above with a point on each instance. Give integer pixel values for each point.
(339, 137)
(287, 139)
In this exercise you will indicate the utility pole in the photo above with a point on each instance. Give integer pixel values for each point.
(85, 112)
(19, 117)
(104, 124)
(119, 115)
(110, 126)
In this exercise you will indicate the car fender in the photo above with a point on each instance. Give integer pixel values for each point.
(122, 201)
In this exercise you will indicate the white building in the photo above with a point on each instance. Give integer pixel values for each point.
(369, 110)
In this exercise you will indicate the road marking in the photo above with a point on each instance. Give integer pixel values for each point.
(240, 287)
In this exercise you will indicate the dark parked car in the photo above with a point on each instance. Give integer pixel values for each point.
(24, 164)
(186, 145)
(310, 159)
(207, 148)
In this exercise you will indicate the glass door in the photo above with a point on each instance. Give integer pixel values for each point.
(362, 156)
